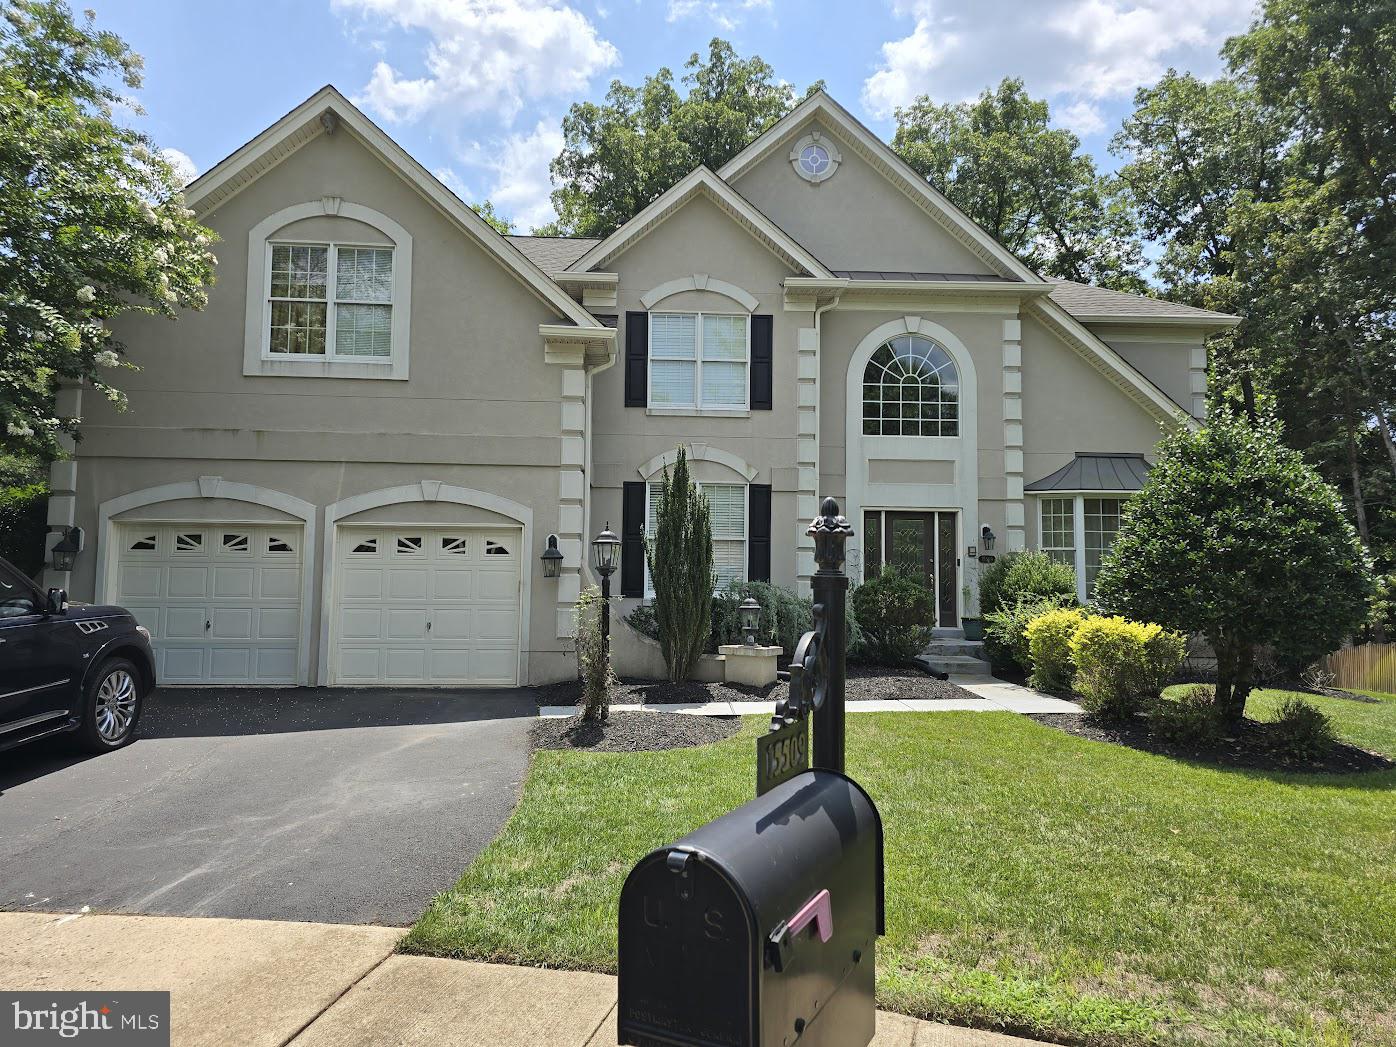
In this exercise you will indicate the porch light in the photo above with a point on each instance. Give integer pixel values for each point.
(605, 551)
(988, 538)
(65, 551)
(552, 558)
(750, 612)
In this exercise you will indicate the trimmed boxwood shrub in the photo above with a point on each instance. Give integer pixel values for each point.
(23, 522)
(1016, 576)
(894, 611)
(1049, 648)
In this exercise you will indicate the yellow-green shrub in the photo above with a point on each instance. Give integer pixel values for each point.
(1121, 663)
(1049, 647)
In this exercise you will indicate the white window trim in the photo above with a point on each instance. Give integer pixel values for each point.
(746, 536)
(820, 139)
(331, 300)
(697, 408)
(1078, 502)
(257, 360)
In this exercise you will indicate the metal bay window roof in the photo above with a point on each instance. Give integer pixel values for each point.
(1090, 471)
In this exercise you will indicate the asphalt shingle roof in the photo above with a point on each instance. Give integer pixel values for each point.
(1096, 472)
(553, 253)
(1085, 300)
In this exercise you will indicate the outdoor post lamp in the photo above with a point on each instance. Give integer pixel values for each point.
(750, 611)
(552, 558)
(605, 551)
(65, 551)
(988, 537)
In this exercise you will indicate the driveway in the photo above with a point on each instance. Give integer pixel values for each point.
(334, 806)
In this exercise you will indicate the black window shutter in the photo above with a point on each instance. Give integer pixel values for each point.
(758, 546)
(637, 353)
(762, 362)
(632, 538)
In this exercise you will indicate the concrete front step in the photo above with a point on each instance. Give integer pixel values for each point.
(955, 665)
(942, 648)
(947, 634)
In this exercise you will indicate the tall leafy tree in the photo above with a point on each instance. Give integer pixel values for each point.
(620, 155)
(92, 224)
(497, 221)
(1027, 183)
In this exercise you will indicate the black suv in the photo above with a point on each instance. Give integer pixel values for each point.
(68, 667)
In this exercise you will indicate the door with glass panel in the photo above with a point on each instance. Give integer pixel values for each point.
(922, 543)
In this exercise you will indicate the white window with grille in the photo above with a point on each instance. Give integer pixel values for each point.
(329, 301)
(727, 510)
(1078, 530)
(700, 361)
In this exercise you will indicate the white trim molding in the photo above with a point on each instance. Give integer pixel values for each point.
(700, 282)
(699, 453)
(211, 487)
(425, 491)
(830, 149)
(255, 360)
(962, 494)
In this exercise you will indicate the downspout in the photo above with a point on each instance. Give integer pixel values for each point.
(588, 578)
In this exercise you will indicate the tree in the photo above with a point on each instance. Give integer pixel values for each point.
(92, 224)
(1236, 538)
(1028, 184)
(620, 155)
(680, 556)
(497, 222)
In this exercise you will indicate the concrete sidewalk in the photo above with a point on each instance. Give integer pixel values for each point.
(256, 983)
(988, 696)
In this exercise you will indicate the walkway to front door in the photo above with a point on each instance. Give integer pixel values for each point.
(921, 543)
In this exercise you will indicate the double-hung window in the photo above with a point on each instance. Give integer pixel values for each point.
(1078, 531)
(727, 509)
(333, 301)
(700, 361)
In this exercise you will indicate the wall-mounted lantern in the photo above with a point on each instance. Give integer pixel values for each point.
(64, 553)
(552, 558)
(988, 538)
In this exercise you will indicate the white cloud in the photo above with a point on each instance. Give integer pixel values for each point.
(184, 168)
(514, 171)
(726, 14)
(483, 56)
(1082, 117)
(1072, 51)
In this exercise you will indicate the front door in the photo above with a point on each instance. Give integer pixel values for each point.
(919, 543)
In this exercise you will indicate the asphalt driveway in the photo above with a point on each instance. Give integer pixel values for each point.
(335, 806)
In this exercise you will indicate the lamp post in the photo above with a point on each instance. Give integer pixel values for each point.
(605, 551)
(750, 612)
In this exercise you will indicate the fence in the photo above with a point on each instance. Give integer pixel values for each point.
(1371, 667)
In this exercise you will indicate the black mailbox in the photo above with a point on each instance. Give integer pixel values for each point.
(759, 928)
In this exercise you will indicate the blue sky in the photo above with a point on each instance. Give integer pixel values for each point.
(476, 89)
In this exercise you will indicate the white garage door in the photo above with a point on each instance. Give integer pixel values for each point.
(222, 603)
(426, 606)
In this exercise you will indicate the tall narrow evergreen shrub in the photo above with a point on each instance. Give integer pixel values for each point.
(680, 556)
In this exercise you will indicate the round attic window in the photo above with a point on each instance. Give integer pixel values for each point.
(815, 158)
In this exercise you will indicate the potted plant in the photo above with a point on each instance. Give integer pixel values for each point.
(973, 626)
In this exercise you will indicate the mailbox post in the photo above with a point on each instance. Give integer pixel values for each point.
(830, 584)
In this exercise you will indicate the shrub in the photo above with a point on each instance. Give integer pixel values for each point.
(593, 659)
(1236, 537)
(1302, 730)
(680, 559)
(894, 610)
(1005, 630)
(1120, 663)
(23, 521)
(1049, 647)
(643, 621)
(1016, 576)
(785, 617)
(1192, 719)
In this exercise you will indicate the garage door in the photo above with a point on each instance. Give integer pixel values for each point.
(222, 603)
(426, 606)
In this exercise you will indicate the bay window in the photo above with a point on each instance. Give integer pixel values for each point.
(1078, 530)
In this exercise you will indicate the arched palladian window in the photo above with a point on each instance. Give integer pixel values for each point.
(911, 388)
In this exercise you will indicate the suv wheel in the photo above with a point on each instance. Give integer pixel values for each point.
(111, 706)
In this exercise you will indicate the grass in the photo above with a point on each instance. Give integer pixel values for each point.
(1037, 882)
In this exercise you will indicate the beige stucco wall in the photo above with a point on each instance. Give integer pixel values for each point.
(1165, 361)
(481, 408)
(857, 219)
(701, 238)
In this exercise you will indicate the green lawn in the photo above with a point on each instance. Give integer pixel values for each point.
(1036, 882)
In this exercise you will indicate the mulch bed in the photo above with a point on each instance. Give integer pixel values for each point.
(1251, 750)
(633, 732)
(864, 683)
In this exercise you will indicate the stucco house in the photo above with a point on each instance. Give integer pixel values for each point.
(345, 469)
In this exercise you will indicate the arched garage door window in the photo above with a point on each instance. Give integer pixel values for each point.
(911, 388)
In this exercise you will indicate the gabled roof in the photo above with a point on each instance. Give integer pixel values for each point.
(1091, 304)
(1089, 471)
(553, 253)
(702, 182)
(308, 121)
(882, 157)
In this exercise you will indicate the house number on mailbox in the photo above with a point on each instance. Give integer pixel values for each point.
(781, 754)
